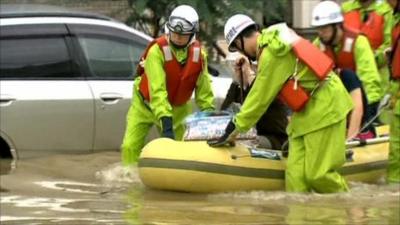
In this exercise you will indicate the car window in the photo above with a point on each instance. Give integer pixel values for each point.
(109, 57)
(36, 57)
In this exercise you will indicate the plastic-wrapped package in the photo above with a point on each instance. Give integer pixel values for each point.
(211, 126)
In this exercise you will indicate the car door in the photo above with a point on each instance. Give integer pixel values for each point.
(45, 104)
(111, 55)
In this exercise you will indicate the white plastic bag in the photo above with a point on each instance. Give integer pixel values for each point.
(211, 126)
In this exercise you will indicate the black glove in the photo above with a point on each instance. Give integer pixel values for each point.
(167, 127)
(228, 139)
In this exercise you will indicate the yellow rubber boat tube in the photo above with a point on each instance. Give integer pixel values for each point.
(195, 167)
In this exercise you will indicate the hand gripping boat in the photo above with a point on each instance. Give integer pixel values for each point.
(195, 167)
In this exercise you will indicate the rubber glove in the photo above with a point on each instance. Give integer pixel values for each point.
(228, 139)
(167, 127)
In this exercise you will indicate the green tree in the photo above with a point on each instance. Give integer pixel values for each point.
(150, 16)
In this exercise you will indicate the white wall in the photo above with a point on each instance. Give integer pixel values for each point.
(302, 10)
(302, 13)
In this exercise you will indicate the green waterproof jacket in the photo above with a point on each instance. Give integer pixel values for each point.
(395, 84)
(382, 8)
(154, 68)
(395, 91)
(330, 103)
(366, 68)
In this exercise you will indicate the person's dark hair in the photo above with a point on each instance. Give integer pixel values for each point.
(246, 33)
(249, 31)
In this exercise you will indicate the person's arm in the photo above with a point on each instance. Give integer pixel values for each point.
(380, 56)
(367, 70)
(154, 68)
(230, 96)
(272, 73)
(204, 95)
(356, 114)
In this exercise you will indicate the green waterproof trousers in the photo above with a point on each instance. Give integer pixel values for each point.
(139, 121)
(393, 172)
(314, 160)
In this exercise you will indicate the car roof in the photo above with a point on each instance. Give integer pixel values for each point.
(40, 10)
(18, 14)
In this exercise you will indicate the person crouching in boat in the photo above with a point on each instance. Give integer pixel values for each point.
(271, 128)
(354, 60)
(302, 75)
(173, 67)
(393, 172)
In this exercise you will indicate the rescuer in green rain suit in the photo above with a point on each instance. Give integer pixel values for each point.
(374, 18)
(162, 95)
(365, 8)
(350, 50)
(317, 131)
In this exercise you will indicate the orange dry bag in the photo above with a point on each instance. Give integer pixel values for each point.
(294, 97)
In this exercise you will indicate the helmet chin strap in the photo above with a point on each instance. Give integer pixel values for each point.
(180, 46)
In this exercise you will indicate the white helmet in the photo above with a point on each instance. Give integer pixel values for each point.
(183, 20)
(234, 26)
(326, 12)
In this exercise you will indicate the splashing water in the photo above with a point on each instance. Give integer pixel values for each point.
(117, 175)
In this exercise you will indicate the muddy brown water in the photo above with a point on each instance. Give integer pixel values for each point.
(95, 189)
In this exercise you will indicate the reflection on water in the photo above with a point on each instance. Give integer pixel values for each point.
(6, 166)
(95, 189)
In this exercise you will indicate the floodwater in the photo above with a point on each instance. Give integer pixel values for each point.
(94, 189)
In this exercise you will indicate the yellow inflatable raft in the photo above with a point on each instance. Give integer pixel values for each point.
(195, 167)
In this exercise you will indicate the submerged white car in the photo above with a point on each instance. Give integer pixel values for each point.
(66, 80)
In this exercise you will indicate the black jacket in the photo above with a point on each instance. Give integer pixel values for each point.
(272, 123)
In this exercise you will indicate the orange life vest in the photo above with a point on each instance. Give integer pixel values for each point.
(396, 52)
(292, 93)
(180, 79)
(344, 59)
(373, 28)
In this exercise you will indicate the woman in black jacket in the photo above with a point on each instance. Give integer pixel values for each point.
(271, 128)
